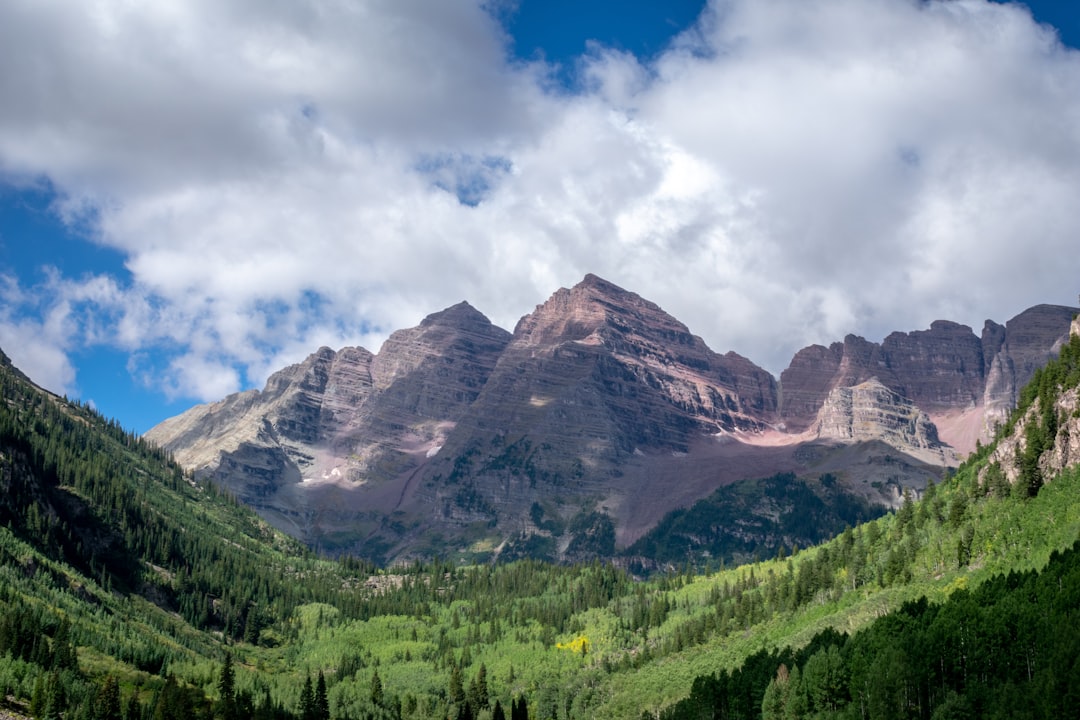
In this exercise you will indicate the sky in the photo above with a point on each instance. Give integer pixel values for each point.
(196, 193)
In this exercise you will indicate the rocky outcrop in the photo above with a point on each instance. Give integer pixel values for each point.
(1062, 448)
(870, 411)
(1063, 451)
(945, 371)
(1013, 353)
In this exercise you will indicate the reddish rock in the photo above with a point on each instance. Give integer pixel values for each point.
(458, 433)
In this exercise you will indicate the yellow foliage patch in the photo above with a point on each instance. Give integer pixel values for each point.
(579, 644)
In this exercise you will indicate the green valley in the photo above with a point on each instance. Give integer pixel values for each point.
(130, 591)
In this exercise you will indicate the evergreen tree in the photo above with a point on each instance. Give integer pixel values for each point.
(307, 701)
(376, 690)
(226, 704)
(482, 699)
(133, 710)
(107, 702)
(457, 690)
(37, 698)
(519, 709)
(797, 705)
(55, 698)
(906, 514)
(321, 701)
(497, 712)
(64, 657)
(172, 703)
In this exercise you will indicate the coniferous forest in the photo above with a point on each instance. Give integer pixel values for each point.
(127, 590)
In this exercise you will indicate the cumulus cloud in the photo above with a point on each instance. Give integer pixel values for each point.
(41, 325)
(285, 175)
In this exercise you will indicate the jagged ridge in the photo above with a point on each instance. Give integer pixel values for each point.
(599, 402)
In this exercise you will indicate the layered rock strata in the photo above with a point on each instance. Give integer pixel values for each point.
(945, 371)
(459, 434)
(346, 417)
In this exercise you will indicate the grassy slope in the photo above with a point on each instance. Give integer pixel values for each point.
(606, 682)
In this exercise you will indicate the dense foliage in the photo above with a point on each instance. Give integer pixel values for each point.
(750, 520)
(1008, 649)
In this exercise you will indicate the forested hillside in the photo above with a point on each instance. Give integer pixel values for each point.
(128, 591)
(108, 547)
(752, 519)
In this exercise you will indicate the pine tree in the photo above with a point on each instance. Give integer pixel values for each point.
(376, 690)
(519, 709)
(107, 702)
(457, 690)
(133, 710)
(226, 704)
(64, 657)
(55, 699)
(307, 701)
(37, 698)
(171, 703)
(322, 702)
(482, 699)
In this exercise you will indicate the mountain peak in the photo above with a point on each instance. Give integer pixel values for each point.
(457, 315)
(595, 305)
(595, 282)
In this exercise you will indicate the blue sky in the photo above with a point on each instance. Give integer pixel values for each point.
(193, 196)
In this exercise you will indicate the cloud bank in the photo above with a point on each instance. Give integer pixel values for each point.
(283, 175)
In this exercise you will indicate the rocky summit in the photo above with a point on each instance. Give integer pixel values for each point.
(575, 434)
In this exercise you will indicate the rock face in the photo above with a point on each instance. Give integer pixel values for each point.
(946, 371)
(595, 383)
(599, 414)
(1015, 351)
(1062, 448)
(601, 363)
(870, 411)
(346, 416)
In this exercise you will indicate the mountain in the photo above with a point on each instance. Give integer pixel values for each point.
(574, 435)
(601, 402)
(937, 651)
(345, 419)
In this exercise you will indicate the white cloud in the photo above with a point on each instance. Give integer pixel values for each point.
(40, 326)
(33, 351)
(283, 175)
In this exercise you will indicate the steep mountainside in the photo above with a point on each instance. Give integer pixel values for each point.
(345, 417)
(965, 383)
(596, 387)
(599, 410)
